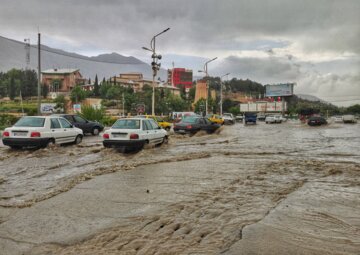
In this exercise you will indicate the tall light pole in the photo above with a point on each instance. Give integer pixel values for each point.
(207, 85)
(155, 66)
(221, 93)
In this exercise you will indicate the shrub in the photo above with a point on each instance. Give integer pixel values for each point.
(90, 113)
(7, 120)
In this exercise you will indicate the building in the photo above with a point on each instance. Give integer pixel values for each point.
(180, 77)
(136, 81)
(201, 90)
(62, 80)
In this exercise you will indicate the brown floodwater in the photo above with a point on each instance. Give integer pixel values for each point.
(225, 189)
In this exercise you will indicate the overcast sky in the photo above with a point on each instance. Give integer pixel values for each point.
(313, 43)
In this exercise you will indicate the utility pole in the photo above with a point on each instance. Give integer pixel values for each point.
(221, 94)
(39, 77)
(123, 104)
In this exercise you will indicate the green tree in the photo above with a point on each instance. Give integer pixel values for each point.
(60, 102)
(96, 87)
(200, 106)
(77, 94)
(12, 88)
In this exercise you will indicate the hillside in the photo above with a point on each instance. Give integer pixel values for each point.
(12, 55)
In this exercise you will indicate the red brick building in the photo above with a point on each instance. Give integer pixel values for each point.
(62, 80)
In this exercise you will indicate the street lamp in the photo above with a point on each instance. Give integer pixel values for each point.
(221, 93)
(207, 85)
(155, 66)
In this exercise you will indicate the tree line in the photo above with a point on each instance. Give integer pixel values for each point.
(16, 82)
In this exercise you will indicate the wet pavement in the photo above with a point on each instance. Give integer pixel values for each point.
(263, 189)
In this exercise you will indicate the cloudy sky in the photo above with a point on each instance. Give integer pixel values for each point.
(313, 43)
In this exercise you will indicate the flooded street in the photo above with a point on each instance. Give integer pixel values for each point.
(257, 189)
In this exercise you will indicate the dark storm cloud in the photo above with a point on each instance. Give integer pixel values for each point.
(267, 70)
(195, 25)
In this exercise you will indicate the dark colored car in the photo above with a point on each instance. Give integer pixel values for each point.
(191, 125)
(250, 117)
(87, 126)
(316, 121)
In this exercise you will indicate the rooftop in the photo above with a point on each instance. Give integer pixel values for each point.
(60, 71)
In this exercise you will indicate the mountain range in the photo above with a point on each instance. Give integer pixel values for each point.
(13, 55)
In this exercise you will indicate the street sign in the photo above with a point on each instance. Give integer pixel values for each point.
(140, 108)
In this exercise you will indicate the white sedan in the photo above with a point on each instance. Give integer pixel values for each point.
(39, 131)
(273, 119)
(134, 133)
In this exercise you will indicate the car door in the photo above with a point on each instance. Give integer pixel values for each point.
(148, 130)
(56, 130)
(82, 124)
(158, 134)
(67, 131)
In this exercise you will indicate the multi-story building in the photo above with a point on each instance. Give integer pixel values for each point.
(132, 80)
(62, 80)
(180, 77)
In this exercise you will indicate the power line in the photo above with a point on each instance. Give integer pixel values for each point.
(75, 57)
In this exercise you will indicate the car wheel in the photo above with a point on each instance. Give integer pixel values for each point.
(167, 129)
(165, 140)
(50, 142)
(95, 131)
(78, 139)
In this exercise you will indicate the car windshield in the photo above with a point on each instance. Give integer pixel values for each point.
(127, 124)
(189, 120)
(227, 114)
(30, 122)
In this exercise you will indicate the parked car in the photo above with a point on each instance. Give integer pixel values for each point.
(162, 123)
(273, 119)
(191, 125)
(134, 133)
(349, 119)
(239, 118)
(250, 118)
(261, 117)
(85, 125)
(228, 118)
(40, 131)
(215, 118)
(337, 119)
(316, 121)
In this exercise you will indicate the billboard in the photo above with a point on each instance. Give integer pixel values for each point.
(47, 108)
(278, 90)
(264, 107)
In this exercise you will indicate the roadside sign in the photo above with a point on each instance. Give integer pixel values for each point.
(77, 107)
(140, 108)
(47, 108)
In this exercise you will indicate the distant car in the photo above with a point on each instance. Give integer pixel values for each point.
(338, 119)
(40, 131)
(261, 117)
(228, 118)
(273, 119)
(349, 119)
(191, 125)
(134, 133)
(215, 118)
(164, 124)
(250, 118)
(85, 125)
(239, 118)
(316, 121)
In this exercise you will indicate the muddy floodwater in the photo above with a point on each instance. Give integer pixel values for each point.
(258, 189)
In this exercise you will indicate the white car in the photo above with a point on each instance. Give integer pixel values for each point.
(273, 119)
(228, 118)
(134, 133)
(40, 131)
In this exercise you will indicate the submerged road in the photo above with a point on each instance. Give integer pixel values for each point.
(265, 189)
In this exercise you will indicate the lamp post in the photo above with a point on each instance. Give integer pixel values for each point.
(207, 85)
(221, 94)
(155, 66)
